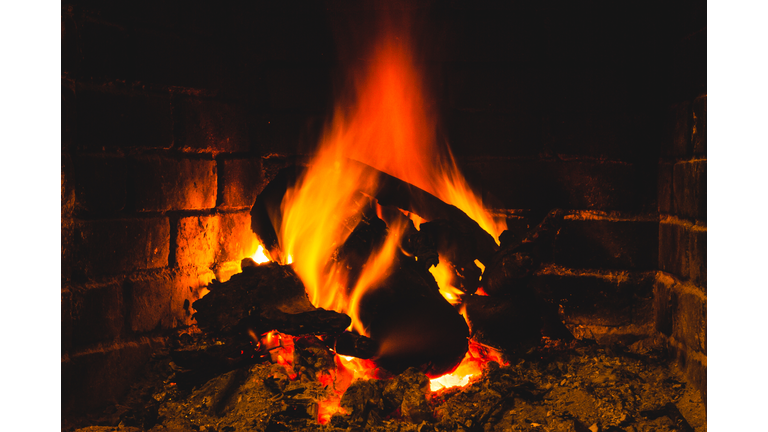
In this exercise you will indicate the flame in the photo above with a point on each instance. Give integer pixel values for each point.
(444, 275)
(469, 369)
(260, 256)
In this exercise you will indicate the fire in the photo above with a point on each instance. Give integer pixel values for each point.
(260, 256)
(470, 368)
(444, 275)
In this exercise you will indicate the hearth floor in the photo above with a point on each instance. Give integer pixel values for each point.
(581, 387)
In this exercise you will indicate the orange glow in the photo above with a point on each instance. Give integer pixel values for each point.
(260, 256)
(444, 275)
(469, 369)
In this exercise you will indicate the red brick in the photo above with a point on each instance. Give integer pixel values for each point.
(206, 126)
(674, 244)
(111, 117)
(118, 246)
(700, 125)
(237, 241)
(608, 244)
(97, 314)
(158, 299)
(197, 240)
(101, 377)
(664, 187)
(690, 323)
(677, 139)
(162, 184)
(243, 180)
(690, 189)
(698, 257)
(610, 299)
(100, 183)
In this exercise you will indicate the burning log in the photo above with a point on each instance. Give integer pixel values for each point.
(263, 298)
(475, 242)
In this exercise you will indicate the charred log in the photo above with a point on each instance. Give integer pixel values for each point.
(263, 298)
(355, 345)
(513, 265)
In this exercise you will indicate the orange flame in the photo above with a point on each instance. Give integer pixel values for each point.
(260, 256)
(469, 369)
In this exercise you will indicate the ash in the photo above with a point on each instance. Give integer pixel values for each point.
(575, 387)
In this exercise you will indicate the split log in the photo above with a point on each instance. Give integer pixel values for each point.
(266, 217)
(263, 298)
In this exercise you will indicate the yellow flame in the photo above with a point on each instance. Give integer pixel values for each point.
(260, 256)
(444, 274)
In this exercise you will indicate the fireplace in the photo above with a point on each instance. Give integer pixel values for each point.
(175, 117)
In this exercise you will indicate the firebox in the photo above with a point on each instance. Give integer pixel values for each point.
(403, 190)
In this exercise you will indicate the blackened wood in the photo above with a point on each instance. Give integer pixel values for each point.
(512, 266)
(263, 298)
(355, 345)
(412, 322)
(266, 214)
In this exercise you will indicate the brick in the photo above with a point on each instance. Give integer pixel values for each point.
(608, 244)
(674, 244)
(690, 189)
(111, 117)
(494, 134)
(699, 134)
(616, 134)
(693, 366)
(677, 138)
(196, 241)
(664, 186)
(163, 299)
(236, 241)
(206, 126)
(100, 183)
(67, 186)
(690, 323)
(97, 314)
(613, 299)
(243, 181)
(116, 246)
(68, 114)
(571, 184)
(99, 378)
(698, 257)
(162, 184)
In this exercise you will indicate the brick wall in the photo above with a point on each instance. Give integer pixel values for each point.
(171, 125)
(681, 289)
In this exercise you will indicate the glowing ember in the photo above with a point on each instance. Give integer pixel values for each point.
(470, 368)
